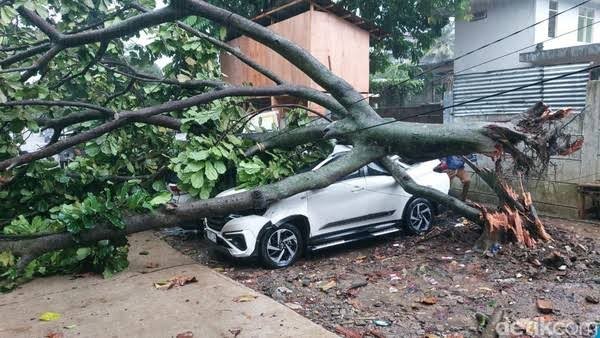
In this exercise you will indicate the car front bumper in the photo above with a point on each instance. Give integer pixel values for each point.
(239, 236)
(238, 243)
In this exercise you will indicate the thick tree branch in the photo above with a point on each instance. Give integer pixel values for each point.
(413, 188)
(224, 46)
(143, 77)
(57, 103)
(289, 138)
(41, 64)
(126, 117)
(124, 28)
(257, 198)
(40, 23)
(25, 55)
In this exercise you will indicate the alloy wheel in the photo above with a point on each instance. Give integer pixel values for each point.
(420, 217)
(282, 246)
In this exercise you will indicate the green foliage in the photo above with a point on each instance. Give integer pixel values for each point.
(397, 82)
(276, 164)
(46, 197)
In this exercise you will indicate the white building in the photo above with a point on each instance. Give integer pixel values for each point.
(494, 19)
(505, 62)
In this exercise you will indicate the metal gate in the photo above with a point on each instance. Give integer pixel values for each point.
(569, 91)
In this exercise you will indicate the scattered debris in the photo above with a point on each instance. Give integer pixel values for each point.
(235, 332)
(175, 281)
(144, 253)
(376, 333)
(69, 327)
(347, 333)
(482, 320)
(294, 306)
(245, 298)
(358, 284)
(187, 334)
(55, 335)
(429, 300)
(516, 277)
(152, 265)
(555, 260)
(283, 290)
(495, 249)
(591, 299)
(49, 316)
(382, 323)
(544, 306)
(327, 286)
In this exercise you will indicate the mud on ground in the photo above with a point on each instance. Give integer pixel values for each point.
(433, 285)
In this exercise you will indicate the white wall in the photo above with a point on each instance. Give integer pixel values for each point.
(566, 22)
(503, 17)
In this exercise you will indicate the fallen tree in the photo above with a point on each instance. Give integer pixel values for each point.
(528, 140)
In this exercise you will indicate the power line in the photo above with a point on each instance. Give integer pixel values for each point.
(518, 50)
(496, 41)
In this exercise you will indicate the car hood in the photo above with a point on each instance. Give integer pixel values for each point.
(423, 168)
(231, 191)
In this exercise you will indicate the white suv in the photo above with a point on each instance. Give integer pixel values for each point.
(367, 203)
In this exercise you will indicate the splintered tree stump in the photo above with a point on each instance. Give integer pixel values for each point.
(515, 221)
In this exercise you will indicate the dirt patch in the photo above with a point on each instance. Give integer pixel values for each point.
(435, 284)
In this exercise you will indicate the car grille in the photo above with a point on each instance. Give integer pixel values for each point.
(217, 223)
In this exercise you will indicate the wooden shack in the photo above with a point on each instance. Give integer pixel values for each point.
(336, 37)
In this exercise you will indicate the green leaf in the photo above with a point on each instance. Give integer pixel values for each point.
(193, 167)
(161, 198)
(83, 253)
(199, 155)
(197, 180)
(210, 172)
(220, 167)
(7, 259)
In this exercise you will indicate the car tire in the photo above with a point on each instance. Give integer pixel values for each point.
(281, 246)
(418, 216)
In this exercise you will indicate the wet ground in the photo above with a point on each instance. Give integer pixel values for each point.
(434, 285)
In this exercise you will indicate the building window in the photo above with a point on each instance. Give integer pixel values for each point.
(552, 17)
(585, 24)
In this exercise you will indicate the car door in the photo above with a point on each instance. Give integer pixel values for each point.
(339, 205)
(383, 191)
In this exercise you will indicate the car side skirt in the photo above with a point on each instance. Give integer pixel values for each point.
(359, 219)
(352, 235)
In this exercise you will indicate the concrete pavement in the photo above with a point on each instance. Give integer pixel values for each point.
(128, 305)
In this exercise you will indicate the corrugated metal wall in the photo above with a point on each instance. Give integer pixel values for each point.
(556, 192)
(566, 92)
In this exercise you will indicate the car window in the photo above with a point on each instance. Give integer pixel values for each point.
(375, 169)
(354, 174)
